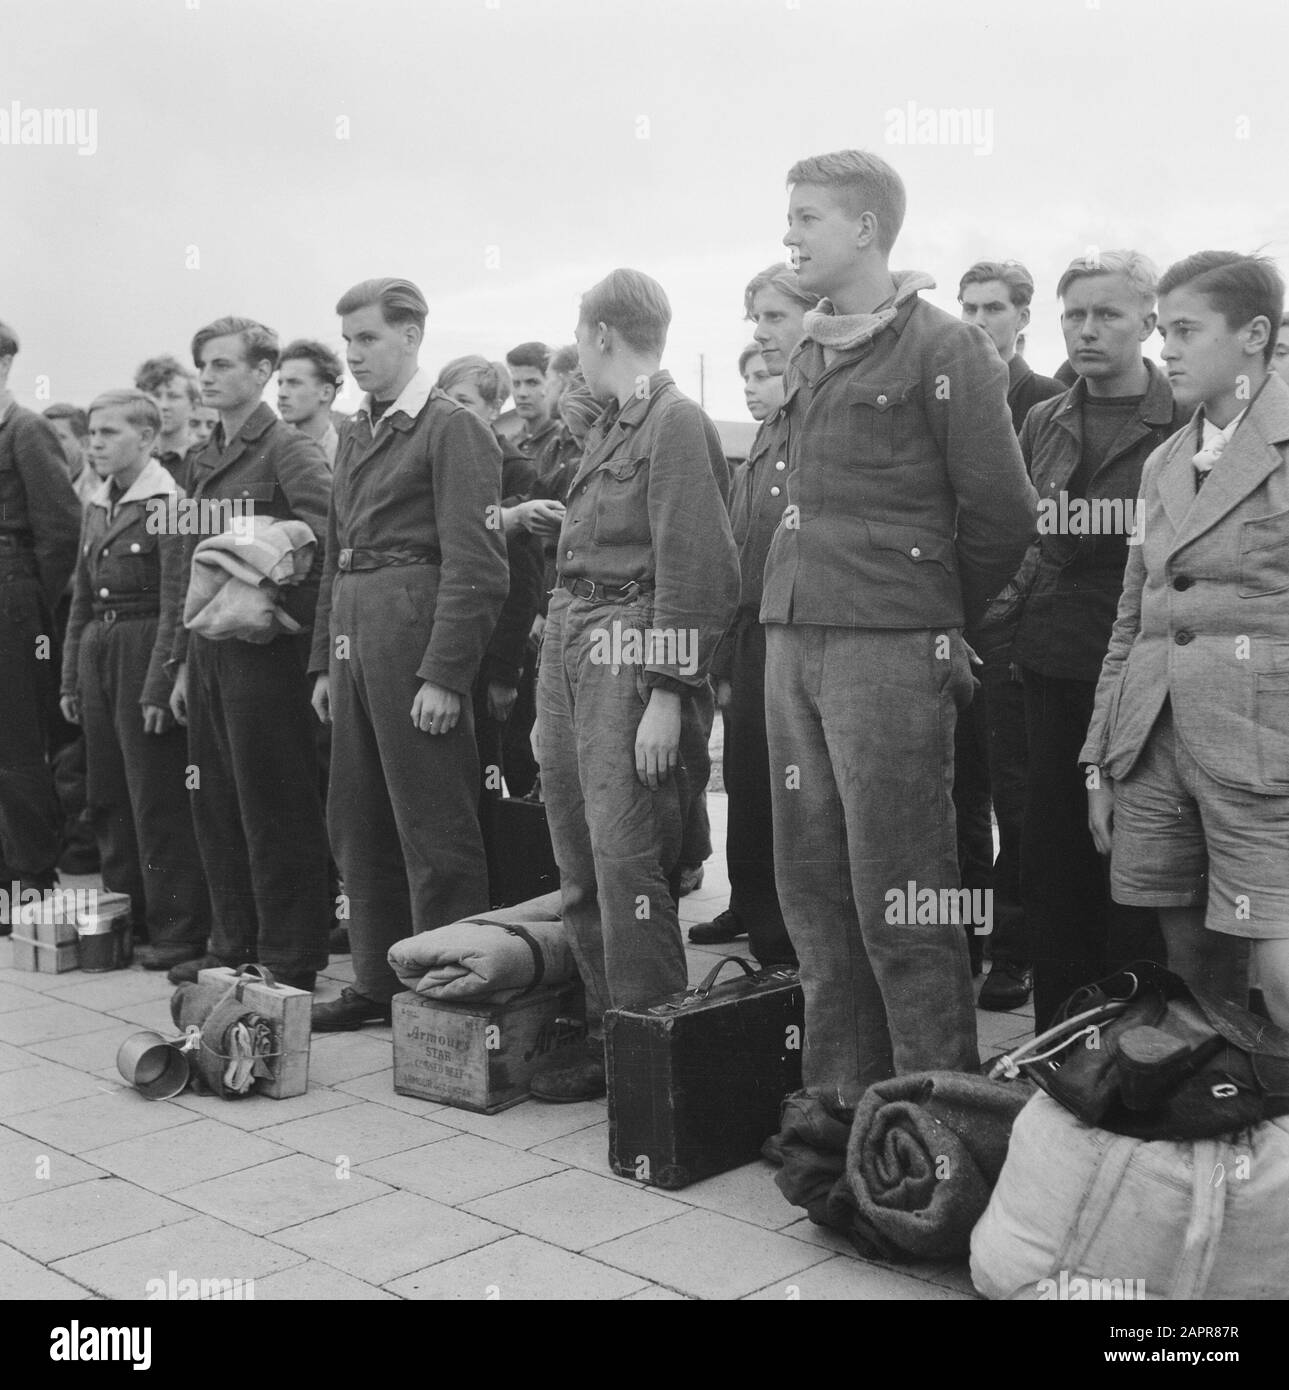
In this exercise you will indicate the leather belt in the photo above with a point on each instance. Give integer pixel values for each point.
(607, 593)
(359, 559)
(116, 615)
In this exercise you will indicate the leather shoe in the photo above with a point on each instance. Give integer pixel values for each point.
(349, 1012)
(1008, 986)
(186, 974)
(690, 880)
(572, 1073)
(165, 957)
(725, 926)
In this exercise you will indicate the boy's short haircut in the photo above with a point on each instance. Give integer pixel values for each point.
(73, 414)
(157, 371)
(1138, 270)
(564, 360)
(1240, 288)
(260, 344)
(752, 350)
(865, 182)
(400, 301)
(140, 409)
(536, 355)
(8, 341)
(632, 303)
(1019, 282)
(324, 362)
(489, 378)
(780, 277)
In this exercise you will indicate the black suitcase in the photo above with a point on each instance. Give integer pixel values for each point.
(695, 1082)
(521, 863)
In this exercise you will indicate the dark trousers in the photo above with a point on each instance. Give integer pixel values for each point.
(255, 805)
(695, 737)
(403, 804)
(749, 836)
(136, 785)
(1078, 933)
(30, 821)
(990, 757)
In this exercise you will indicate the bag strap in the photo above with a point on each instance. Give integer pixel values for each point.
(539, 960)
(701, 991)
(247, 974)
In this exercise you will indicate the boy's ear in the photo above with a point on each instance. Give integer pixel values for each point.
(1148, 325)
(1257, 333)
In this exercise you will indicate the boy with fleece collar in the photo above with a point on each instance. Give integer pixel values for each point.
(908, 509)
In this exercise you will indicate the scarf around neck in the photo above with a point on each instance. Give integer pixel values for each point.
(840, 332)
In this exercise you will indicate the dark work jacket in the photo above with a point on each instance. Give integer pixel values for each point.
(509, 642)
(273, 470)
(39, 510)
(428, 483)
(757, 499)
(556, 467)
(1077, 578)
(1025, 388)
(648, 503)
(121, 567)
(908, 501)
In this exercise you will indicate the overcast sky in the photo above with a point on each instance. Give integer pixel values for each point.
(259, 158)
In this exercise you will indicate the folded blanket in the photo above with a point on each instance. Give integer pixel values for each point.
(494, 956)
(915, 1169)
(236, 576)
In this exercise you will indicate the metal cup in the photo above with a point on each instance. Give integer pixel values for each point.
(157, 1069)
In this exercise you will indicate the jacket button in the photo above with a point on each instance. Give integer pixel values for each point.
(568, 554)
(1183, 637)
(104, 555)
(134, 547)
(774, 492)
(1182, 582)
(916, 552)
(780, 465)
(881, 400)
(105, 593)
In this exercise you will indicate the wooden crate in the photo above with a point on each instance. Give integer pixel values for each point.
(45, 957)
(290, 1011)
(477, 1056)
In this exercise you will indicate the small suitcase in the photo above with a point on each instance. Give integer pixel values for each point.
(695, 1081)
(521, 863)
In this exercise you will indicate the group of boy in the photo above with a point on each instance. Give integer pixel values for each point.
(914, 564)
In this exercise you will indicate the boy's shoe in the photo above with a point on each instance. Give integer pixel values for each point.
(186, 974)
(349, 1012)
(1009, 985)
(165, 957)
(725, 926)
(572, 1073)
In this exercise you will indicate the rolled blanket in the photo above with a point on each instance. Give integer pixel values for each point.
(810, 1148)
(496, 956)
(924, 1154)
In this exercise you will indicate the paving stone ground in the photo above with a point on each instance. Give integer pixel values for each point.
(352, 1191)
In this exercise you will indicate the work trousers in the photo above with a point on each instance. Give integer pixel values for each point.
(1078, 933)
(749, 836)
(30, 820)
(255, 801)
(137, 788)
(861, 727)
(616, 842)
(402, 804)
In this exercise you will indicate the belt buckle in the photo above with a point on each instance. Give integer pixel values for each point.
(109, 616)
(345, 559)
(629, 591)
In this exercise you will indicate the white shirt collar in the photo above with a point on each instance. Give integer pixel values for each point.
(410, 400)
(154, 481)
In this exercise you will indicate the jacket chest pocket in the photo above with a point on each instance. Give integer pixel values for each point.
(131, 564)
(875, 418)
(622, 503)
(1264, 555)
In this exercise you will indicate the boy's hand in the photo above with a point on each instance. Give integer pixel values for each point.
(157, 719)
(1101, 814)
(435, 710)
(724, 694)
(179, 694)
(501, 700)
(658, 738)
(71, 708)
(321, 698)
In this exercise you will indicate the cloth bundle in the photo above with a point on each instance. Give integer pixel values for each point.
(497, 955)
(911, 1172)
(233, 1042)
(236, 576)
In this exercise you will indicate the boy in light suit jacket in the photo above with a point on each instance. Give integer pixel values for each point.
(1188, 749)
